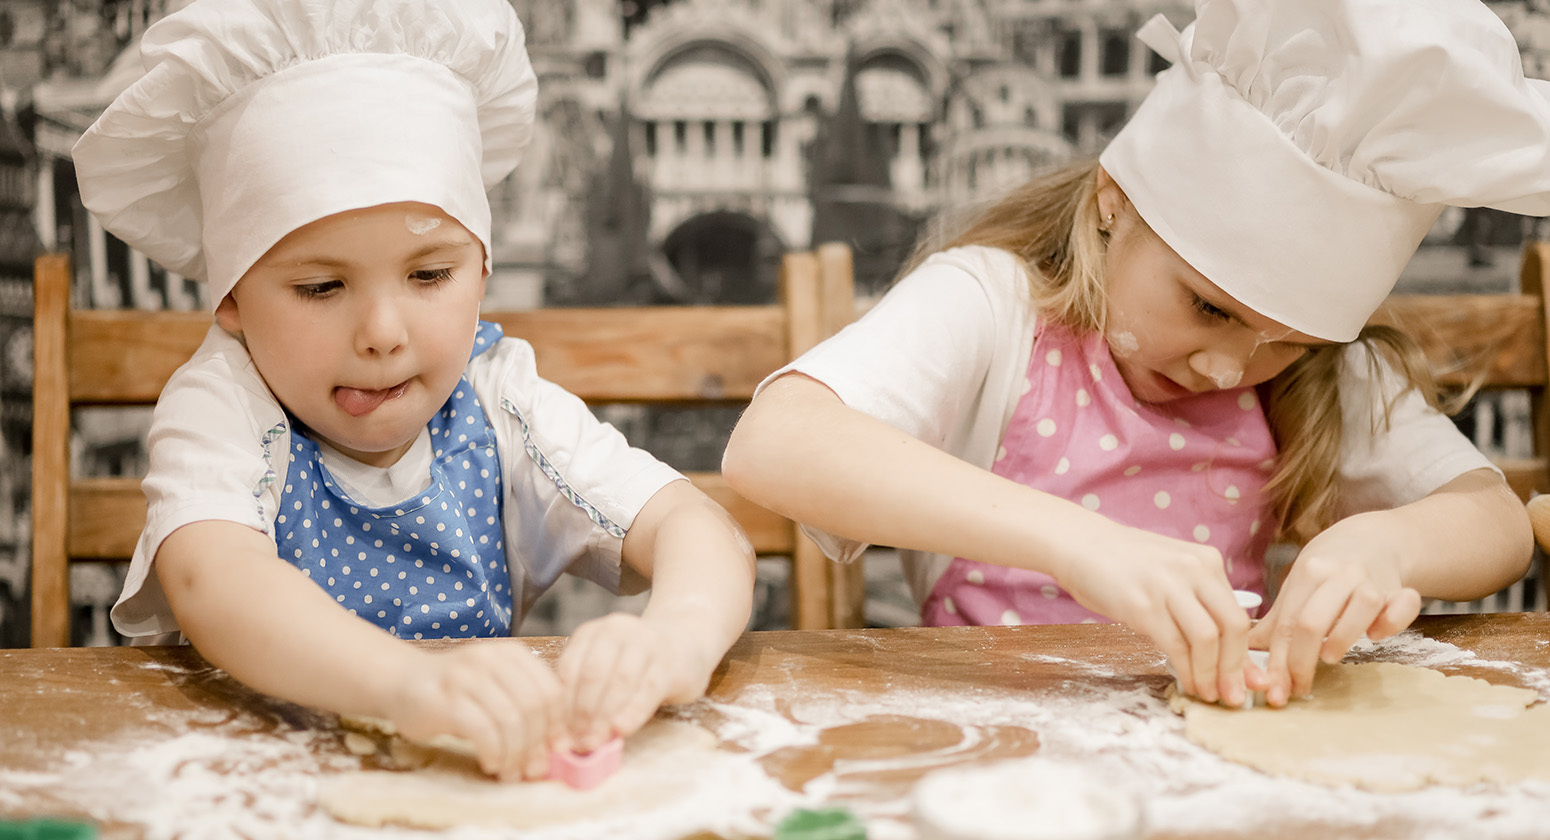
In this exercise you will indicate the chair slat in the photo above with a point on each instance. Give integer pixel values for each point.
(655, 354)
(106, 515)
(125, 357)
(1499, 338)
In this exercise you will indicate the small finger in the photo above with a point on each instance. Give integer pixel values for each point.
(1203, 637)
(533, 696)
(627, 686)
(1314, 623)
(1233, 628)
(1359, 614)
(1400, 611)
(589, 692)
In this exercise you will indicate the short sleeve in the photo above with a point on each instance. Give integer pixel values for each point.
(938, 358)
(1398, 458)
(918, 358)
(573, 484)
(217, 447)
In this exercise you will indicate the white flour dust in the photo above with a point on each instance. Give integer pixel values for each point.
(1128, 736)
(421, 225)
(243, 778)
(216, 782)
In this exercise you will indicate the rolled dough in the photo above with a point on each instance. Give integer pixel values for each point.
(661, 763)
(1385, 727)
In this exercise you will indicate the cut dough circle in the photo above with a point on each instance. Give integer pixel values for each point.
(1385, 727)
(660, 763)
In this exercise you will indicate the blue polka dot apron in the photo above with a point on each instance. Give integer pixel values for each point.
(432, 566)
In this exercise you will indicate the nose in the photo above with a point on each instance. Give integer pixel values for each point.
(382, 329)
(1223, 368)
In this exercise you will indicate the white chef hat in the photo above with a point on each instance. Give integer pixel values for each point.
(1297, 151)
(256, 117)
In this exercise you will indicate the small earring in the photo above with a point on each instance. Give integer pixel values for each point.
(1108, 222)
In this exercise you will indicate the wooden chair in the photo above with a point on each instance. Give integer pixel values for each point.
(660, 355)
(1498, 341)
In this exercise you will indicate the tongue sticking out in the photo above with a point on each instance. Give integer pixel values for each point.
(357, 402)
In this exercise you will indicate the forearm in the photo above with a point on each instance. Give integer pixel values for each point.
(702, 578)
(800, 452)
(258, 618)
(1464, 541)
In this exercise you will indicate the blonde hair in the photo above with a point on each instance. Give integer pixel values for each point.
(1051, 225)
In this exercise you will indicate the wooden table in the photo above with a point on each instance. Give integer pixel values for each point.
(862, 715)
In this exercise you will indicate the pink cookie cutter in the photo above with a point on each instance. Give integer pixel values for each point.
(584, 771)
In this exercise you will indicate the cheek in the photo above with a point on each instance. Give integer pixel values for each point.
(1270, 363)
(1123, 342)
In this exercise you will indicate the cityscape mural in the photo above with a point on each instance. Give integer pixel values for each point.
(683, 147)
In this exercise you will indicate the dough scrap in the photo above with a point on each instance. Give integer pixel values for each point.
(661, 762)
(1384, 727)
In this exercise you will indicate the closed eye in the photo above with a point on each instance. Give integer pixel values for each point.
(314, 291)
(1210, 310)
(432, 276)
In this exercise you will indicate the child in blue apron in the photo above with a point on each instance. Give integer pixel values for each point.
(352, 458)
(1103, 397)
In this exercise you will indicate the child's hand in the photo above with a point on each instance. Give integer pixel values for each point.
(620, 668)
(1345, 583)
(495, 694)
(1177, 593)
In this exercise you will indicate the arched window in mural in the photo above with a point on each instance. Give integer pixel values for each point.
(722, 257)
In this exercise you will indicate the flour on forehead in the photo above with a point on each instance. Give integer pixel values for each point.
(420, 224)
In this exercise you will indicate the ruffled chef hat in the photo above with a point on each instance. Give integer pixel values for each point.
(256, 117)
(1297, 151)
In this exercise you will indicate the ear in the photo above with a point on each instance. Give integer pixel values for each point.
(1112, 200)
(226, 314)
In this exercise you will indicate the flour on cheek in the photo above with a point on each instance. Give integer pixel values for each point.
(1124, 343)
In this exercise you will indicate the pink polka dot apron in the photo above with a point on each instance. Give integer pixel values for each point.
(1193, 469)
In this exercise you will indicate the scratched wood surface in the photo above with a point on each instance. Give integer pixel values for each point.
(73, 704)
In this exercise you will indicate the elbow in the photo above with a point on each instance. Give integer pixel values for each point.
(740, 463)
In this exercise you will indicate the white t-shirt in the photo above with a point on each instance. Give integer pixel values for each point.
(219, 445)
(943, 357)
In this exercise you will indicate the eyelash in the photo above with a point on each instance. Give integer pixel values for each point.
(429, 278)
(433, 276)
(1205, 308)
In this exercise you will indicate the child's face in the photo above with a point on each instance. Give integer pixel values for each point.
(361, 323)
(1171, 331)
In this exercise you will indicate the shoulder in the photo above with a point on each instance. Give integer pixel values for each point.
(1000, 273)
(218, 387)
(506, 373)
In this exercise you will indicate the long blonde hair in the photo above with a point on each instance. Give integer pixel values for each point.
(1051, 225)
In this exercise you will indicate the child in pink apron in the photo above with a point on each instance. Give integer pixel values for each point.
(1103, 396)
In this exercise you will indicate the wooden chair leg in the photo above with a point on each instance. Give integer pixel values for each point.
(810, 593)
(1539, 517)
(50, 454)
(847, 594)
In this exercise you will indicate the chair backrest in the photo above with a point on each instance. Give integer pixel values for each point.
(658, 355)
(1496, 341)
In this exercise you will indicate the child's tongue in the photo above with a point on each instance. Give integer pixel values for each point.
(356, 402)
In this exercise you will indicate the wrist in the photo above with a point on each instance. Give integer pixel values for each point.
(695, 649)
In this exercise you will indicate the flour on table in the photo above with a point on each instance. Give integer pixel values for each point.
(1384, 726)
